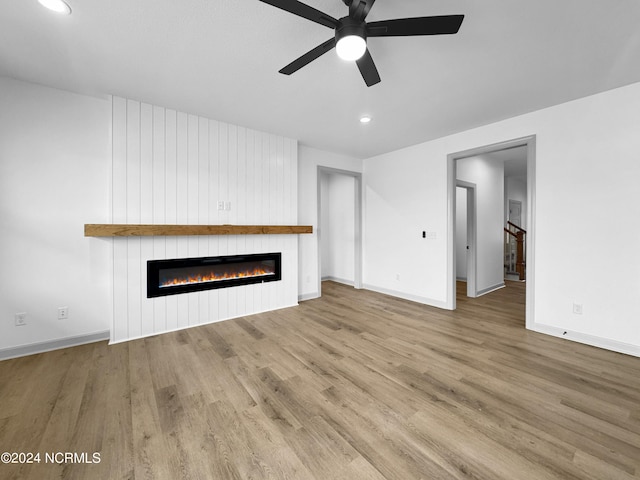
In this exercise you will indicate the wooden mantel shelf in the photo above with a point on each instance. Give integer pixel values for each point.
(133, 230)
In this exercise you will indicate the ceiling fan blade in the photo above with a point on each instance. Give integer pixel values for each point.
(309, 57)
(368, 69)
(359, 9)
(403, 27)
(304, 11)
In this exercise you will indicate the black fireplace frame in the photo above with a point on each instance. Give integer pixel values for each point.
(155, 266)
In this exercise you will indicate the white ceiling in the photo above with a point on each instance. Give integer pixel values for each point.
(220, 59)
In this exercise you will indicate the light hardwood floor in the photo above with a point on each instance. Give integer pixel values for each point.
(355, 385)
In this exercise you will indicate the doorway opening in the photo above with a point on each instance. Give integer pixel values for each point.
(339, 226)
(515, 234)
(490, 275)
(466, 217)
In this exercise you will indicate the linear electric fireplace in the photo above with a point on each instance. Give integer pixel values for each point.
(183, 275)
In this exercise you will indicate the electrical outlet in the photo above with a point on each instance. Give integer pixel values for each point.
(220, 204)
(21, 319)
(63, 313)
(577, 309)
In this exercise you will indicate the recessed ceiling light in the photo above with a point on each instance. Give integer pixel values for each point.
(365, 119)
(58, 6)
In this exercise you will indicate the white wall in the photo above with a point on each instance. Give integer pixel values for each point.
(488, 176)
(337, 230)
(587, 167)
(309, 159)
(171, 167)
(54, 178)
(405, 194)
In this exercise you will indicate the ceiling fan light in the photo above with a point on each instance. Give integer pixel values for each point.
(58, 6)
(351, 47)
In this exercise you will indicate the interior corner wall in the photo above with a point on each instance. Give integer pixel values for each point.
(170, 167)
(488, 176)
(586, 169)
(54, 177)
(309, 159)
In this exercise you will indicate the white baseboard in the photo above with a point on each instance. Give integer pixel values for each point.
(605, 343)
(407, 296)
(308, 296)
(493, 288)
(41, 347)
(338, 280)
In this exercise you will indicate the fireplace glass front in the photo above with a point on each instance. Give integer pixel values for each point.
(183, 275)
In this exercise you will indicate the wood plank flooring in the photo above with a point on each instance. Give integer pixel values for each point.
(355, 385)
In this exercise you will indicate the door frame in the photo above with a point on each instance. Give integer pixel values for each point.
(472, 218)
(530, 143)
(357, 270)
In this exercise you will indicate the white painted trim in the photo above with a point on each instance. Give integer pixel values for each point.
(530, 318)
(41, 347)
(495, 287)
(407, 296)
(599, 342)
(451, 232)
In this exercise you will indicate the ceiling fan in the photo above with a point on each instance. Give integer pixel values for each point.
(351, 33)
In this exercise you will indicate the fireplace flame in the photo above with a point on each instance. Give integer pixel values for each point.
(215, 277)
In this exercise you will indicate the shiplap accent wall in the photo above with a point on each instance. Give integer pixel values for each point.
(171, 167)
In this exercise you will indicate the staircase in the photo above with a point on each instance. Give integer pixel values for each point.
(514, 250)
